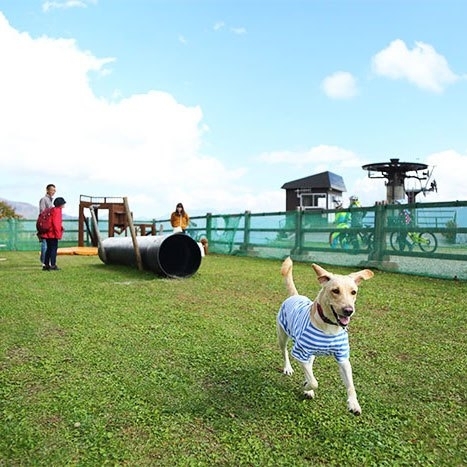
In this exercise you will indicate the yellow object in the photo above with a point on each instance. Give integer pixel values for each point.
(78, 250)
(179, 220)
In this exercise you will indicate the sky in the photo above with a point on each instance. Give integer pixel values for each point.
(218, 103)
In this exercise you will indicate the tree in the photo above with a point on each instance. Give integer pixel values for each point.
(7, 212)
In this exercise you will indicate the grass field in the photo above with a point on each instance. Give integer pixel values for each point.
(106, 365)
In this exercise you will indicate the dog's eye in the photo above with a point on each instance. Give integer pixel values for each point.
(336, 291)
(354, 292)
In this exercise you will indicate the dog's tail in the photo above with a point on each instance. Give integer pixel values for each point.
(286, 271)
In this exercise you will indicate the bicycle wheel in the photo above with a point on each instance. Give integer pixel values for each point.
(333, 239)
(428, 242)
(355, 240)
(338, 239)
(396, 242)
(345, 240)
(368, 242)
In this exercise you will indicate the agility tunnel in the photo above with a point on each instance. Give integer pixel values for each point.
(174, 256)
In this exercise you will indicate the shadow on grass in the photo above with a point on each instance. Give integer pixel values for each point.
(240, 390)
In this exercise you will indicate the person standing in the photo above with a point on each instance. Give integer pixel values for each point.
(54, 234)
(356, 215)
(179, 219)
(356, 219)
(44, 203)
(342, 221)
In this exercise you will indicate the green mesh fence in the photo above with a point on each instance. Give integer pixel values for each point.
(20, 235)
(428, 239)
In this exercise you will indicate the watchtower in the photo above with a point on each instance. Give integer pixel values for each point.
(396, 173)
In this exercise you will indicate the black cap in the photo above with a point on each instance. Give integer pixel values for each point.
(59, 202)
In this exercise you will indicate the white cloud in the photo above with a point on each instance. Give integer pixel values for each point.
(144, 146)
(219, 25)
(340, 85)
(238, 31)
(147, 146)
(66, 4)
(421, 66)
(449, 168)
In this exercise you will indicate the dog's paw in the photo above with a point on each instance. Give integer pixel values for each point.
(309, 394)
(354, 406)
(288, 370)
(310, 385)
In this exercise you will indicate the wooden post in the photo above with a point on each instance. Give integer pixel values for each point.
(246, 232)
(81, 226)
(379, 238)
(139, 262)
(298, 232)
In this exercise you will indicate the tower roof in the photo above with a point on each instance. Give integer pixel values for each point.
(323, 180)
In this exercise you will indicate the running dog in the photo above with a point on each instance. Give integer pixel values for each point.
(320, 327)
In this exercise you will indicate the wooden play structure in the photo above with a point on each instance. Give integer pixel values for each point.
(119, 218)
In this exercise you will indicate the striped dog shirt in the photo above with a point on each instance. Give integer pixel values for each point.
(294, 317)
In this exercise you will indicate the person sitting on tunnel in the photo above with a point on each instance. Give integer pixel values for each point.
(179, 219)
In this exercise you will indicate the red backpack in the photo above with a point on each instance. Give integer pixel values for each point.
(44, 221)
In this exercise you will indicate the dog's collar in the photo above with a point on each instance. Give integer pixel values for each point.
(326, 319)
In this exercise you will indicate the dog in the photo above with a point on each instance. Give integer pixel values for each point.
(319, 327)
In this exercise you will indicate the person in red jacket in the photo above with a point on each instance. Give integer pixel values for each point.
(53, 236)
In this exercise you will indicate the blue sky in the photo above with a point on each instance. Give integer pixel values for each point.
(219, 103)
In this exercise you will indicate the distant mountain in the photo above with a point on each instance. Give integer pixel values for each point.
(26, 210)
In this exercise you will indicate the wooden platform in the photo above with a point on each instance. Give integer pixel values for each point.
(78, 250)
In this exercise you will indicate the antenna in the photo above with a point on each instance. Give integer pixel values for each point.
(433, 184)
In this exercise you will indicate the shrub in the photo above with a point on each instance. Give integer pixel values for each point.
(451, 231)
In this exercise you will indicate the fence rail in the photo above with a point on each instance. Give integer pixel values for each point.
(387, 237)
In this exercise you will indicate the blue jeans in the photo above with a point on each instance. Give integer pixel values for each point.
(43, 250)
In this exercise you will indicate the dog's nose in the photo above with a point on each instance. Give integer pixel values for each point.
(348, 310)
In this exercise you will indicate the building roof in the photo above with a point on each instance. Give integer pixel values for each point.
(324, 181)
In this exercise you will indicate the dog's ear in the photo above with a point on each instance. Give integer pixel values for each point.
(323, 275)
(364, 274)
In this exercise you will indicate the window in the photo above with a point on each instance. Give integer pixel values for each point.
(313, 200)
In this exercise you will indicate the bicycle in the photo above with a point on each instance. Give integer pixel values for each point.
(346, 239)
(401, 240)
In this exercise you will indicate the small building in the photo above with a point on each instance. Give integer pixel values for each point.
(320, 191)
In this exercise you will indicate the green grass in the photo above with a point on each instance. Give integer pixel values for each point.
(105, 365)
